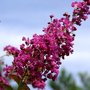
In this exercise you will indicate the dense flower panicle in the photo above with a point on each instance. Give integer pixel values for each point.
(87, 1)
(39, 58)
(81, 11)
(11, 50)
(3, 82)
(8, 69)
(40, 84)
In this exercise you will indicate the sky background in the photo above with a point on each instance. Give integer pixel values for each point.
(20, 18)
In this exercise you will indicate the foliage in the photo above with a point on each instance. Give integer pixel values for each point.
(66, 81)
(85, 80)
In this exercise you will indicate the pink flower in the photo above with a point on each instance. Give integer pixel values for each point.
(39, 58)
(81, 10)
(39, 84)
(4, 82)
(87, 1)
(51, 16)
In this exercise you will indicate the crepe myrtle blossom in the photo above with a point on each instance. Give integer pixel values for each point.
(39, 58)
(3, 82)
(81, 10)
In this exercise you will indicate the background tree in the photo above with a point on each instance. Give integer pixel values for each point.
(85, 81)
(66, 81)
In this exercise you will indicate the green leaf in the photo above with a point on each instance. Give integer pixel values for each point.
(7, 87)
(23, 86)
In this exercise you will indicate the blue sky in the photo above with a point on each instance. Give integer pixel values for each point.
(26, 17)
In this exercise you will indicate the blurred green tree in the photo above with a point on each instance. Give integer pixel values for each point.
(66, 81)
(85, 81)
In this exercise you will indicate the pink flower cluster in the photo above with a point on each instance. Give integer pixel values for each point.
(81, 10)
(39, 58)
(87, 1)
(3, 82)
